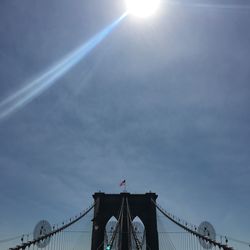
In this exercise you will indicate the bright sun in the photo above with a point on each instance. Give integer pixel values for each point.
(142, 8)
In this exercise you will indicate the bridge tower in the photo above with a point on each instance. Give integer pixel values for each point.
(108, 205)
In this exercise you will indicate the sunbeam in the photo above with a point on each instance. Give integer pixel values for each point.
(43, 82)
(210, 5)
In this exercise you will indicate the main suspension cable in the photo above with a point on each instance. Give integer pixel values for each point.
(52, 233)
(195, 233)
(120, 218)
(137, 242)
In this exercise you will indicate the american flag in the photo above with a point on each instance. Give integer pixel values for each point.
(123, 183)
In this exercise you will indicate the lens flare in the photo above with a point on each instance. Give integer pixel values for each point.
(142, 8)
(46, 80)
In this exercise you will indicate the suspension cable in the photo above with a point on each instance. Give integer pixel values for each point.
(120, 218)
(137, 242)
(54, 232)
(200, 236)
(129, 229)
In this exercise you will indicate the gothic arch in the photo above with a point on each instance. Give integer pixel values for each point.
(141, 205)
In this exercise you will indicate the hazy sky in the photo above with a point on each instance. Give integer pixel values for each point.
(162, 102)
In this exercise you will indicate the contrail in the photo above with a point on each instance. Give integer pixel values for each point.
(46, 80)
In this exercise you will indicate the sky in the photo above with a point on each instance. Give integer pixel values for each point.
(162, 102)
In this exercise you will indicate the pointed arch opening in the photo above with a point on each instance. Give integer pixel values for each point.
(140, 232)
(109, 230)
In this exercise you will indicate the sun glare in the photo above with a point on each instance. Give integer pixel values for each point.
(142, 8)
